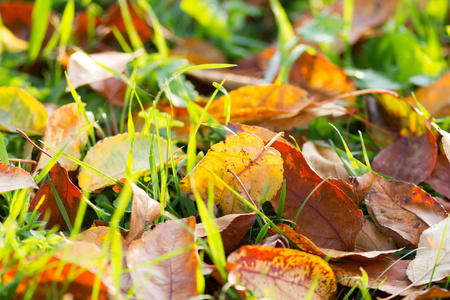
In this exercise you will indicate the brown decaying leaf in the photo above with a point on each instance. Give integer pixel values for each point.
(279, 273)
(69, 194)
(260, 170)
(414, 158)
(306, 245)
(112, 89)
(370, 238)
(97, 235)
(14, 178)
(62, 127)
(74, 269)
(321, 219)
(324, 161)
(232, 228)
(259, 103)
(435, 97)
(440, 177)
(172, 278)
(402, 210)
(431, 262)
(199, 52)
(435, 292)
(144, 210)
(445, 142)
(274, 241)
(394, 274)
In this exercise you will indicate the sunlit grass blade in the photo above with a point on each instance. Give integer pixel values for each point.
(136, 41)
(66, 23)
(281, 201)
(351, 159)
(40, 20)
(3, 151)
(61, 207)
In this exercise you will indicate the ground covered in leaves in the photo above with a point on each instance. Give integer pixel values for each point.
(229, 150)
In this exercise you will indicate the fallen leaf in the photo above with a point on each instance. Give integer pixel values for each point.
(395, 115)
(278, 273)
(18, 109)
(14, 178)
(414, 158)
(402, 210)
(307, 245)
(232, 228)
(110, 157)
(258, 103)
(439, 178)
(370, 238)
(171, 278)
(62, 127)
(435, 97)
(263, 133)
(435, 292)
(274, 241)
(112, 89)
(9, 42)
(324, 161)
(97, 235)
(445, 142)
(386, 275)
(84, 69)
(259, 169)
(144, 211)
(320, 77)
(199, 52)
(68, 193)
(321, 217)
(431, 262)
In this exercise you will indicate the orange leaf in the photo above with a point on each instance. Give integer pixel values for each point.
(278, 273)
(435, 97)
(69, 194)
(402, 210)
(171, 278)
(199, 52)
(260, 171)
(259, 103)
(321, 219)
(14, 178)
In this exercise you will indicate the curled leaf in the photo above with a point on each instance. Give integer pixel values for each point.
(14, 178)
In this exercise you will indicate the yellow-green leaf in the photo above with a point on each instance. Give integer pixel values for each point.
(18, 109)
(259, 169)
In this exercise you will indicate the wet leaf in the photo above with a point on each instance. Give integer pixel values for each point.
(440, 177)
(435, 97)
(62, 127)
(421, 269)
(83, 69)
(259, 103)
(18, 109)
(402, 210)
(110, 157)
(321, 218)
(232, 228)
(171, 278)
(279, 273)
(259, 169)
(14, 178)
(414, 158)
(68, 193)
(388, 276)
(144, 211)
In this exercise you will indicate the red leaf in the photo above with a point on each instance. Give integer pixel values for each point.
(69, 194)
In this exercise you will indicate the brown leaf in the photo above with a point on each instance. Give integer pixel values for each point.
(62, 127)
(112, 89)
(435, 97)
(258, 103)
(144, 210)
(305, 244)
(414, 158)
(172, 278)
(232, 228)
(435, 292)
(69, 194)
(274, 241)
(370, 238)
(97, 235)
(402, 210)
(388, 276)
(321, 219)
(281, 273)
(14, 178)
(439, 179)
(199, 52)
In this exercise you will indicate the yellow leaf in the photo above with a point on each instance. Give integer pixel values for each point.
(10, 43)
(259, 169)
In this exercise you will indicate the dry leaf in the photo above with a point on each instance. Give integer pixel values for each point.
(259, 169)
(14, 178)
(422, 268)
(370, 238)
(402, 210)
(440, 177)
(435, 292)
(435, 97)
(199, 52)
(171, 278)
(278, 273)
(62, 127)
